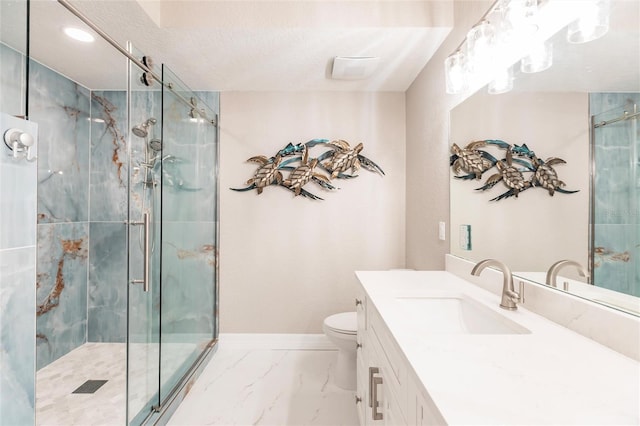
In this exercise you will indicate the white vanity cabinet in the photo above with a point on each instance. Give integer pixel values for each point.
(429, 373)
(387, 392)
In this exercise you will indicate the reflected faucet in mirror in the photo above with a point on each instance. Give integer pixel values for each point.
(552, 273)
(509, 295)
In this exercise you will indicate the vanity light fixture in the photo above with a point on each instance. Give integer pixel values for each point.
(592, 24)
(78, 34)
(519, 30)
(490, 45)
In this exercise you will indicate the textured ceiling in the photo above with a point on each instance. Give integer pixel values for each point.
(248, 45)
(272, 45)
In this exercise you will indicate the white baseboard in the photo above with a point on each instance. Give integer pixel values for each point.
(318, 342)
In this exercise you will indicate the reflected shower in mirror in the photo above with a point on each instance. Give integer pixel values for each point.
(552, 112)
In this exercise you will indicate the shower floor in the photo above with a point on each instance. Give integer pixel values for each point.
(56, 404)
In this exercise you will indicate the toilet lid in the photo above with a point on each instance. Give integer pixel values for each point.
(346, 322)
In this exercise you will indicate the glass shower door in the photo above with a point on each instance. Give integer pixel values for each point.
(189, 228)
(145, 215)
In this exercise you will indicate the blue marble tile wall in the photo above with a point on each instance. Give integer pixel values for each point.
(144, 320)
(61, 107)
(82, 172)
(188, 221)
(12, 81)
(18, 180)
(107, 281)
(617, 230)
(188, 232)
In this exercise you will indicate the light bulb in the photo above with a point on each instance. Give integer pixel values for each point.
(502, 81)
(480, 47)
(540, 57)
(456, 73)
(78, 34)
(593, 22)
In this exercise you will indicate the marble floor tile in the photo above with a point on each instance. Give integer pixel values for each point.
(57, 405)
(244, 386)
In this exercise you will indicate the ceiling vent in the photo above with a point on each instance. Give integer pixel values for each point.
(354, 67)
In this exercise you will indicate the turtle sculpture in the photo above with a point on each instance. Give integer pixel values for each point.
(510, 176)
(267, 174)
(473, 161)
(343, 158)
(302, 174)
(338, 159)
(546, 176)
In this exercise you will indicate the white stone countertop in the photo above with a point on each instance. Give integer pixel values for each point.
(549, 376)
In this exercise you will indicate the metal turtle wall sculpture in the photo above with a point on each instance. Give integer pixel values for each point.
(519, 170)
(339, 161)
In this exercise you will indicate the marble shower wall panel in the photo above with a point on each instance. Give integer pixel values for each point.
(109, 165)
(17, 339)
(145, 104)
(188, 257)
(107, 313)
(189, 175)
(61, 108)
(61, 290)
(18, 186)
(12, 79)
(143, 324)
(17, 277)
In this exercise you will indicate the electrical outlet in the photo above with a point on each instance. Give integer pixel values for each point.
(442, 231)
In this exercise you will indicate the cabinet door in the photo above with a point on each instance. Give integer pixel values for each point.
(426, 411)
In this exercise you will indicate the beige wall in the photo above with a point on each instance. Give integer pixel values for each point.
(427, 166)
(287, 262)
(531, 232)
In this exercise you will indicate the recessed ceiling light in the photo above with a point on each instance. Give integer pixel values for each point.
(78, 34)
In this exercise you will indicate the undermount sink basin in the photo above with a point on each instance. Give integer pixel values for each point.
(457, 314)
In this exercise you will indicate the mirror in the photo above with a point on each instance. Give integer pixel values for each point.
(551, 112)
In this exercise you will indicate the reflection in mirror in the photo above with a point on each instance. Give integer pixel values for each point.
(551, 112)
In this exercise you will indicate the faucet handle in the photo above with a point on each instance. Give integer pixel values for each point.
(521, 292)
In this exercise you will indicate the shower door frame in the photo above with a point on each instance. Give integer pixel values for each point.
(159, 407)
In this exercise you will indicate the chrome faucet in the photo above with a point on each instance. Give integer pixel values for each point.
(509, 295)
(552, 273)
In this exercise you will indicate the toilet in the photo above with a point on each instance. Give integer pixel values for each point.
(341, 329)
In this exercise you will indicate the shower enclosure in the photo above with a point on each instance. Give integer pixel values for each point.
(108, 226)
(615, 220)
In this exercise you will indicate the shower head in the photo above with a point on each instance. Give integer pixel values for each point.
(142, 130)
(155, 145)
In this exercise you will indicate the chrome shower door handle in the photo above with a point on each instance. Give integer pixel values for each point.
(146, 223)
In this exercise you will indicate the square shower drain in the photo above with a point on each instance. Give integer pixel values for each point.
(90, 386)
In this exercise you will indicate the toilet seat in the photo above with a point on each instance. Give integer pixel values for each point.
(343, 323)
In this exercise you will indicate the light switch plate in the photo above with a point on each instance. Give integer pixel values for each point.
(442, 231)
